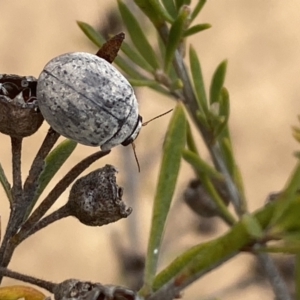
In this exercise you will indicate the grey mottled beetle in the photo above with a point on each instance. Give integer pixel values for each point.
(86, 99)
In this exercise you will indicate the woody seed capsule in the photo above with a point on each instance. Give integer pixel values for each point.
(19, 113)
(96, 199)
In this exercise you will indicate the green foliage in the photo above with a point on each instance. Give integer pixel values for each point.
(199, 114)
(165, 72)
(173, 146)
(138, 36)
(54, 162)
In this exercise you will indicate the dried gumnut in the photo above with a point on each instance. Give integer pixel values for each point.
(19, 113)
(73, 289)
(96, 199)
(198, 199)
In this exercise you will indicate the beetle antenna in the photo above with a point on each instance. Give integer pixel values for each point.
(145, 123)
(135, 156)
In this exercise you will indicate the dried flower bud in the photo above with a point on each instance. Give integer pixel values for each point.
(73, 289)
(197, 198)
(19, 113)
(96, 199)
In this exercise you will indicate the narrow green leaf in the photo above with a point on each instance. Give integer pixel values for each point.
(296, 133)
(170, 7)
(180, 3)
(159, 9)
(98, 40)
(290, 192)
(137, 35)
(217, 83)
(197, 9)
(149, 10)
(252, 226)
(227, 153)
(173, 145)
(204, 257)
(161, 46)
(286, 221)
(232, 167)
(53, 163)
(136, 57)
(195, 29)
(198, 81)
(200, 166)
(149, 83)
(175, 36)
(224, 111)
(203, 120)
(91, 33)
(127, 69)
(5, 184)
(211, 189)
(291, 247)
(225, 103)
(190, 140)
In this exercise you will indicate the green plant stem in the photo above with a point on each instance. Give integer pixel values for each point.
(202, 258)
(224, 212)
(191, 103)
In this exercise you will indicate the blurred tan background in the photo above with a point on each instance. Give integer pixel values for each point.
(261, 40)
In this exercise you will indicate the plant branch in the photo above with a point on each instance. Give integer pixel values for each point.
(60, 187)
(31, 183)
(279, 286)
(22, 197)
(47, 285)
(17, 191)
(191, 103)
(59, 214)
(16, 215)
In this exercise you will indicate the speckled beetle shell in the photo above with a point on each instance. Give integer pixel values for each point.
(86, 99)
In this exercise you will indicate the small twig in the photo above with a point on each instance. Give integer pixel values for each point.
(60, 187)
(31, 183)
(47, 285)
(59, 214)
(16, 146)
(16, 216)
(22, 198)
(279, 286)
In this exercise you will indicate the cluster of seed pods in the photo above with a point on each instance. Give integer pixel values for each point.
(83, 98)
